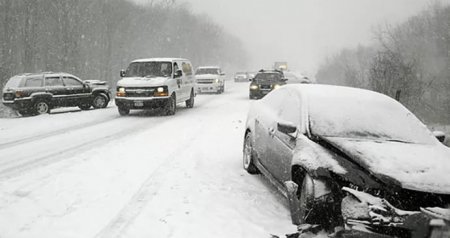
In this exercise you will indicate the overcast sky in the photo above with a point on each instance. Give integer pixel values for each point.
(303, 32)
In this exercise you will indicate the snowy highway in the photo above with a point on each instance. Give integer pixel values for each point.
(97, 174)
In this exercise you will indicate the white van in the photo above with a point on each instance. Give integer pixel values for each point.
(156, 83)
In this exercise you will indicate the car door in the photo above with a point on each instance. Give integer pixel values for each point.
(77, 92)
(55, 86)
(282, 144)
(265, 126)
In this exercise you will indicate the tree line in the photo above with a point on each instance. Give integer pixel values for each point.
(94, 39)
(409, 61)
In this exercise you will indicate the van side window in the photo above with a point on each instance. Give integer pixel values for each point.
(187, 68)
(175, 67)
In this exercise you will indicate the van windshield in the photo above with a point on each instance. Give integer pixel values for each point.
(149, 69)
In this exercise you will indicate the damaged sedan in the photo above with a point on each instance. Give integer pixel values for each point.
(347, 157)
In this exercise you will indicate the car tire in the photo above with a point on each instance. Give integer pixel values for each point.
(191, 100)
(100, 101)
(248, 155)
(41, 107)
(171, 106)
(84, 106)
(123, 111)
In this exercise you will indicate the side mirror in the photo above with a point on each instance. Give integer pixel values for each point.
(439, 135)
(286, 127)
(178, 73)
(284, 79)
(223, 74)
(122, 73)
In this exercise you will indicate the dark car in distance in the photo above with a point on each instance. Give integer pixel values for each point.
(264, 82)
(348, 157)
(38, 93)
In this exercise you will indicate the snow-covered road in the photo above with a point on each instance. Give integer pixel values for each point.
(96, 174)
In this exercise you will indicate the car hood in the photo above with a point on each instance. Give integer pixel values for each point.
(206, 76)
(142, 82)
(418, 167)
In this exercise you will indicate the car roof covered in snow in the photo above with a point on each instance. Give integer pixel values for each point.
(159, 60)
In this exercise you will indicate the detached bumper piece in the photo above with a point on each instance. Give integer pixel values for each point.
(369, 216)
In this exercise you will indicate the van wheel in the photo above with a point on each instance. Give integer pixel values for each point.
(190, 101)
(124, 111)
(171, 106)
(100, 101)
(41, 107)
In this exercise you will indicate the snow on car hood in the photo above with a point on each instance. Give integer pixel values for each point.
(206, 76)
(142, 82)
(416, 167)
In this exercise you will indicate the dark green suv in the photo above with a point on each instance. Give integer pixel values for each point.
(264, 82)
(38, 93)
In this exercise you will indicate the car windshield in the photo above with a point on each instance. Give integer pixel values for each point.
(207, 71)
(267, 77)
(364, 116)
(149, 69)
(13, 82)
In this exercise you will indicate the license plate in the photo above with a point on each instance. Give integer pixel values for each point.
(138, 103)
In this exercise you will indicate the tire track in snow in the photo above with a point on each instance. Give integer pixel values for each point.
(150, 187)
(22, 141)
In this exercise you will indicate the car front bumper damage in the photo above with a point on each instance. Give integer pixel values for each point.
(365, 214)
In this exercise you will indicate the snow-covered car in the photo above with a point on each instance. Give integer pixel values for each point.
(38, 93)
(264, 82)
(210, 79)
(346, 155)
(156, 83)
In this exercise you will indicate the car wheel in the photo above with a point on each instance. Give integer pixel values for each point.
(171, 106)
(248, 155)
(85, 106)
(41, 107)
(190, 101)
(100, 101)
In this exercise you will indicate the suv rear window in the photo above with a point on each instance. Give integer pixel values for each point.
(33, 82)
(14, 82)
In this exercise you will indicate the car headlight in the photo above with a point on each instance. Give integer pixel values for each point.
(160, 89)
(275, 86)
(217, 81)
(254, 87)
